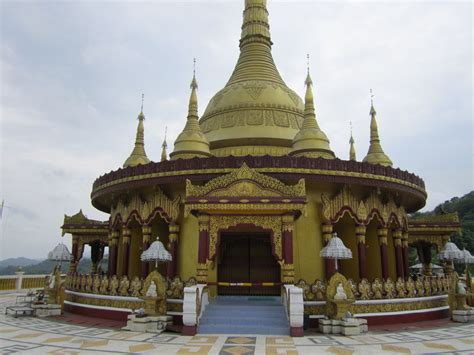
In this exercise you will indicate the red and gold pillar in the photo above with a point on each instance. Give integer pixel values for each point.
(360, 235)
(406, 271)
(203, 248)
(146, 232)
(288, 269)
(382, 235)
(113, 251)
(126, 236)
(173, 249)
(330, 265)
(397, 242)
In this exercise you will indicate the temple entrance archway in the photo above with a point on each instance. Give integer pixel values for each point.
(247, 258)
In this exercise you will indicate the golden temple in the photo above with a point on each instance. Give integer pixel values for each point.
(249, 196)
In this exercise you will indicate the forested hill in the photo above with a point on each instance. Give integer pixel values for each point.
(464, 206)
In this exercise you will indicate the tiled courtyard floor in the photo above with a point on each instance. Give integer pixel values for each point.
(44, 336)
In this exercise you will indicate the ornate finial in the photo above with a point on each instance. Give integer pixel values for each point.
(194, 84)
(307, 62)
(371, 97)
(143, 99)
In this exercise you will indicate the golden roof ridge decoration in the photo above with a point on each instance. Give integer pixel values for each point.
(80, 218)
(245, 173)
(363, 210)
(436, 218)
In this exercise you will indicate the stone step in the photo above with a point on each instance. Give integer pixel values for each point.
(243, 329)
(221, 320)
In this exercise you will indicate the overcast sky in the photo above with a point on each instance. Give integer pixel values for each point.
(72, 75)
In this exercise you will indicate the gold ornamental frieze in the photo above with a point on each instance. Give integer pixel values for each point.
(438, 241)
(146, 209)
(222, 223)
(249, 181)
(363, 211)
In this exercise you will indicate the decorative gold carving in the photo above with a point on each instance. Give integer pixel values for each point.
(288, 273)
(268, 186)
(136, 287)
(377, 289)
(124, 285)
(389, 289)
(363, 211)
(146, 209)
(225, 222)
(364, 290)
(175, 288)
(155, 305)
(337, 308)
(400, 287)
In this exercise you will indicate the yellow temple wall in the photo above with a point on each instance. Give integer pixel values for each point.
(308, 241)
(188, 247)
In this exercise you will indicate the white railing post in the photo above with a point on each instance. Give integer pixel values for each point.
(296, 311)
(19, 280)
(190, 301)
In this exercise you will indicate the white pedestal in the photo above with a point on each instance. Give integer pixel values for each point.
(463, 316)
(347, 326)
(147, 324)
(46, 310)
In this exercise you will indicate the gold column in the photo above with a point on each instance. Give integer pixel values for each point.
(173, 249)
(113, 250)
(126, 237)
(287, 268)
(406, 271)
(397, 242)
(360, 231)
(146, 231)
(382, 235)
(203, 251)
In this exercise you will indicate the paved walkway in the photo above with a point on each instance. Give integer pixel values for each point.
(34, 335)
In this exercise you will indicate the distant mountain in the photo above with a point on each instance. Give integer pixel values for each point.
(46, 266)
(16, 262)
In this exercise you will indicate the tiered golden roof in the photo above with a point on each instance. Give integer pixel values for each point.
(255, 113)
(375, 155)
(311, 141)
(138, 155)
(191, 142)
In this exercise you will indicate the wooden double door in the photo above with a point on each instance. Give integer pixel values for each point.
(247, 258)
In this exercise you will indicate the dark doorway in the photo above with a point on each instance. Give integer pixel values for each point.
(247, 258)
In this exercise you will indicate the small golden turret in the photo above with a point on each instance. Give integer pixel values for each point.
(138, 155)
(352, 152)
(191, 142)
(311, 141)
(164, 155)
(375, 155)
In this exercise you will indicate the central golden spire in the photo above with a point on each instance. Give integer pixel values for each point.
(255, 60)
(255, 113)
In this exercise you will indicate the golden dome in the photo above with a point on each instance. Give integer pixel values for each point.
(255, 113)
